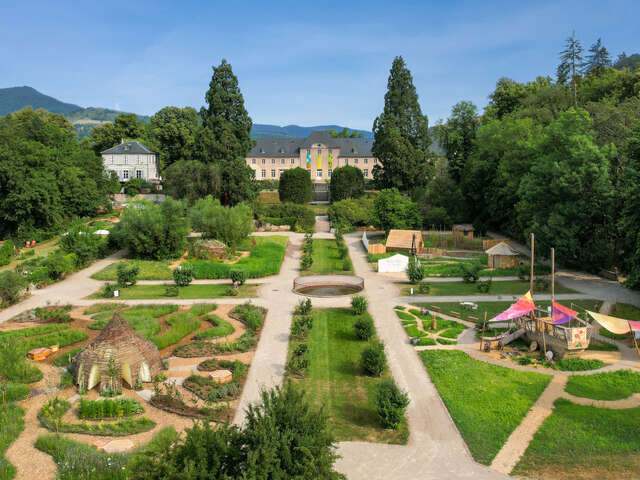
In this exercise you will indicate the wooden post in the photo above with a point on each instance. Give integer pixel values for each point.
(633, 336)
(482, 335)
(434, 321)
(533, 252)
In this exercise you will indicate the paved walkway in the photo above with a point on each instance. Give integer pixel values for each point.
(435, 448)
(75, 286)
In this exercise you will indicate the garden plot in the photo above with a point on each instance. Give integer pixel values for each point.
(325, 361)
(427, 330)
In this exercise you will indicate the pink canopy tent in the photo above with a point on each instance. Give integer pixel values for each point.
(523, 306)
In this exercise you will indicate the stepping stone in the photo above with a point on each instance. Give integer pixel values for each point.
(145, 394)
(177, 380)
(117, 446)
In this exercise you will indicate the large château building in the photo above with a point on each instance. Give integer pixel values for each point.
(319, 154)
(132, 160)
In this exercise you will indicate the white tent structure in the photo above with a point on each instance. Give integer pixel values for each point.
(397, 263)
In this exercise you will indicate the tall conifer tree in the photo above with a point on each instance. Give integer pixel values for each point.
(571, 63)
(597, 60)
(225, 138)
(401, 137)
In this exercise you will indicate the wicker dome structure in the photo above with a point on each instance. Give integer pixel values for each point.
(117, 354)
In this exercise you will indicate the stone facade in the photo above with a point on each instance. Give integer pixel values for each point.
(319, 154)
(132, 160)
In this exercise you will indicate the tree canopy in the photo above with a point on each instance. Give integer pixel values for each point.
(346, 182)
(401, 136)
(225, 137)
(47, 177)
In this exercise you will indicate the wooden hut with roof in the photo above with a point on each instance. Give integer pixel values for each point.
(409, 241)
(118, 353)
(502, 256)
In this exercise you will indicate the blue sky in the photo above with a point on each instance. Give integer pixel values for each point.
(305, 63)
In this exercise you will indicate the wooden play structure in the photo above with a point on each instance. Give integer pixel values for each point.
(559, 330)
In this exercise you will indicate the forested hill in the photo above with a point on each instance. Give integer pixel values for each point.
(83, 119)
(16, 98)
(295, 131)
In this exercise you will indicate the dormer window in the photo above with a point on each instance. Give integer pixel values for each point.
(127, 147)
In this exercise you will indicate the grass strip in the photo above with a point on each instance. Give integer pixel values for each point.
(486, 402)
(605, 386)
(578, 441)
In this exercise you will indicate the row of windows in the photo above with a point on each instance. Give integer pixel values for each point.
(263, 173)
(125, 174)
(293, 161)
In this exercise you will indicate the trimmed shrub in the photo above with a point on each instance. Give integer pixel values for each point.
(470, 272)
(301, 326)
(183, 275)
(346, 182)
(415, 270)
(295, 186)
(364, 328)
(127, 275)
(11, 285)
(391, 403)
(304, 307)
(373, 360)
(359, 304)
(306, 262)
(352, 212)
(239, 276)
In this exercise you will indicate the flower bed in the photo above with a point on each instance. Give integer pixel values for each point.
(50, 416)
(106, 409)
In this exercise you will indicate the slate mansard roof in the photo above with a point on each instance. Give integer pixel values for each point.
(128, 148)
(290, 147)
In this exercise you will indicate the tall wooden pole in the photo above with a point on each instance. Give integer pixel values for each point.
(533, 250)
(483, 325)
(633, 336)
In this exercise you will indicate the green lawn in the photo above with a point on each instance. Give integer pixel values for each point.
(507, 287)
(327, 260)
(265, 258)
(486, 402)
(626, 311)
(577, 441)
(334, 379)
(494, 308)
(11, 424)
(148, 292)
(605, 386)
(149, 270)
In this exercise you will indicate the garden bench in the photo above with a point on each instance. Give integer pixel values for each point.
(435, 309)
(454, 314)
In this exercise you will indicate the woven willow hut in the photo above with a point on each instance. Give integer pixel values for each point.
(118, 353)
(501, 256)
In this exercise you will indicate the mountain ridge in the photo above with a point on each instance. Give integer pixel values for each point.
(84, 119)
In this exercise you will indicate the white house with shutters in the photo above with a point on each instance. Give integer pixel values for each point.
(132, 160)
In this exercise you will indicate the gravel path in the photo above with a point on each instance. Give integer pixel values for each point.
(520, 438)
(435, 448)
